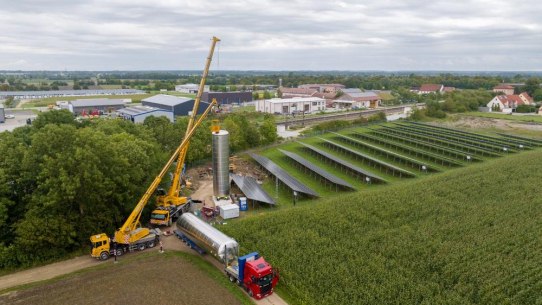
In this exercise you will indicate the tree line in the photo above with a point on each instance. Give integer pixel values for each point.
(62, 180)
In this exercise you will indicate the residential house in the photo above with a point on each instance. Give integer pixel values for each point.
(287, 106)
(506, 89)
(431, 88)
(527, 100)
(351, 90)
(507, 103)
(358, 100)
(329, 97)
(448, 89)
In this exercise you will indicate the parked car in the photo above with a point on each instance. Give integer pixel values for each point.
(297, 112)
(307, 112)
(10, 116)
(277, 113)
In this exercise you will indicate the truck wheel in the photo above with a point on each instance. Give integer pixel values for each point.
(232, 279)
(238, 282)
(151, 244)
(119, 252)
(141, 247)
(104, 255)
(250, 293)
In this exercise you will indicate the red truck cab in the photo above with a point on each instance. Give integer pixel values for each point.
(257, 276)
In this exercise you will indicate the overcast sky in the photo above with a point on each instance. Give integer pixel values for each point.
(271, 35)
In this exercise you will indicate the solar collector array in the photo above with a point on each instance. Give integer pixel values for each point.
(283, 176)
(252, 190)
(326, 175)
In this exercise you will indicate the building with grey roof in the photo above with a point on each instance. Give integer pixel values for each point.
(180, 106)
(58, 93)
(138, 114)
(101, 104)
(351, 90)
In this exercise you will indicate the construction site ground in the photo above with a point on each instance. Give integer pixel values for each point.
(151, 280)
(169, 282)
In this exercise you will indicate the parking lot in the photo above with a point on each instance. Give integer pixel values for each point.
(19, 120)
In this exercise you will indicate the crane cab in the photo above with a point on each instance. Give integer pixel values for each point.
(100, 246)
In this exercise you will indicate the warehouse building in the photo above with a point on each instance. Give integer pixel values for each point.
(291, 105)
(180, 106)
(102, 104)
(224, 98)
(59, 93)
(2, 113)
(190, 88)
(138, 114)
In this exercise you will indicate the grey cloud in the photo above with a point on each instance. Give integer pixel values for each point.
(271, 35)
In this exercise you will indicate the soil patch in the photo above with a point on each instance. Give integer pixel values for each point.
(153, 280)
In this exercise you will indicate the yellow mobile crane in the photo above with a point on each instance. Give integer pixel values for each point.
(131, 235)
(171, 204)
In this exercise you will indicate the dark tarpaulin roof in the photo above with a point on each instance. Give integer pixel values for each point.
(252, 190)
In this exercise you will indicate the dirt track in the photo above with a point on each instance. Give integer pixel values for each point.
(79, 263)
(137, 282)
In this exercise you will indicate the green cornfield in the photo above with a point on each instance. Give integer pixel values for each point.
(468, 236)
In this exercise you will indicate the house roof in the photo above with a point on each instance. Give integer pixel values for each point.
(510, 99)
(351, 90)
(327, 96)
(430, 87)
(97, 102)
(448, 89)
(168, 100)
(527, 97)
(324, 85)
(361, 96)
(297, 90)
(504, 87)
(295, 99)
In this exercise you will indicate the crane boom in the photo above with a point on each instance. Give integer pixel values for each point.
(176, 183)
(132, 221)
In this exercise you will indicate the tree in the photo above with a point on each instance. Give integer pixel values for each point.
(57, 117)
(279, 93)
(268, 129)
(255, 95)
(537, 95)
(531, 85)
(76, 86)
(266, 95)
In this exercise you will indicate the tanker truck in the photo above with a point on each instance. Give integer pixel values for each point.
(251, 272)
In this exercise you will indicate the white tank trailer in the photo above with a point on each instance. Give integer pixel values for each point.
(221, 163)
(214, 242)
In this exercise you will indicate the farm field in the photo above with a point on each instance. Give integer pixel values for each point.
(466, 236)
(394, 153)
(188, 280)
(530, 118)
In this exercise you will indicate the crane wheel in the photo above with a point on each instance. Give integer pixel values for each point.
(141, 247)
(151, 244)
(104, 255)
(119, 252)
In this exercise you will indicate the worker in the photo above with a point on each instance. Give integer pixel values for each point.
(161, 249)
(295, 197)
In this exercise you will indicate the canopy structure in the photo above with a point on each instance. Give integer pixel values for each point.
(283, 176)
(252, 190)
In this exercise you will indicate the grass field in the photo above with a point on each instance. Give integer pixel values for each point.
(461, 237)
(111, 86)
(531, 118)
(244, 108)
(136, 98)
(167, 278)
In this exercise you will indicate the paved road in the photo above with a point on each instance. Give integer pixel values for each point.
(19, 120)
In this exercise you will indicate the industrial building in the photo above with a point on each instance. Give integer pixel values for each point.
(223, 98)
(102, 104)
(292, 105)
(358, 100)
(190, 88)
(180, 106)
(138, 114)
(2, 113)
(58, 93)
(323, 87)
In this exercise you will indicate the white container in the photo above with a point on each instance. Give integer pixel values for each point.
(229, 211)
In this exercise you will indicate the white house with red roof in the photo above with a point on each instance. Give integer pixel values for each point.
(506, 103)
(431, 88)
